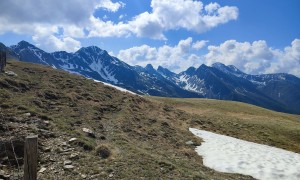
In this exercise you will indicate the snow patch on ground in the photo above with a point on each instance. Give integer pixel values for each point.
(231, 155)
(119, 88)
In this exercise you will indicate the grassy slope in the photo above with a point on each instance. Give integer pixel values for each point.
(242, 121)
(146, 139)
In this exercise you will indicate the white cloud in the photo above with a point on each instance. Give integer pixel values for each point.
(110, 6)
(64, 44)
(288, 60)
(76, 18)
(122, 16)
(211, 8)
(184, 46)
(175, 14)
(256, 57)
(52, 43)
(199, 44)
(47, 12)
(105, 17)
(253, 58)
(176, 58)
(73, 31)
(54, 24)
(146, 25)
(99, 28)
(220, 16)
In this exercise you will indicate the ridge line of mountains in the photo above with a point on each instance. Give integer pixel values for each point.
(279, 92)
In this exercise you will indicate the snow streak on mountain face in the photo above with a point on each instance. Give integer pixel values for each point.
(279, 92)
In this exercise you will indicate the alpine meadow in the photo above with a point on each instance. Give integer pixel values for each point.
(156, 89)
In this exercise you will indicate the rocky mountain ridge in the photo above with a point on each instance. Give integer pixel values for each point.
(280, 92)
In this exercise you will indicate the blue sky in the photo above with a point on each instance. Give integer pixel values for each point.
(256, 36)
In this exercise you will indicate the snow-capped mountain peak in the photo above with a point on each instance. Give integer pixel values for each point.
(275, 91)
(228, 69)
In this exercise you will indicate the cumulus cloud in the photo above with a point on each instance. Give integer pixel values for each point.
(176, 58)
(190, 14)
(211, 8)
(200, 44)
(72, 17)
(253, 58)
(51, 12)
(63, 44)
(171, 15)
(99, 28)
(256, 57)
(110, 6)
(76, 18)
(51, 42)
(122, 16)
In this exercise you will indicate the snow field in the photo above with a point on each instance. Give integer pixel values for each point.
(116, 87)
(231, 155)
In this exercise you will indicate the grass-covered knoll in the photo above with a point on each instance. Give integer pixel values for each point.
(133, 137)
(241, 120)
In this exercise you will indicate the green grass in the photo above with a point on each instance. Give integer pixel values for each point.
(146, 138)
(241, 120)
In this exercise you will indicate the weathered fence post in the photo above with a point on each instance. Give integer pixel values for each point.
(2, 61)
(30, 157)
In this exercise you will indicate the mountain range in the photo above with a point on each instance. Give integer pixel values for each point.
(280, 92)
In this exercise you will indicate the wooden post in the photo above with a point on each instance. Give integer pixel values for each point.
(30, 157)
(2, 61)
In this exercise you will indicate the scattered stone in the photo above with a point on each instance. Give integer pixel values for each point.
(83, 176)
(67, 162)
(69, 167)
(68, 150)
(3, 175)
(59, 150)
(189, 143)
(27, 114)
(74, 156)
(47, 149)
(111, 175)
(11, 73)
(65, 153)
(42, 170)
(46, 133)
(72, 140)
(89, 132)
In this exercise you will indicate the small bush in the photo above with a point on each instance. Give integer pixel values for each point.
(103, 151)
(86, 144)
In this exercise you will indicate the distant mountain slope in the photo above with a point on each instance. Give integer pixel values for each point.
(217, 84)
(93, 62)
(279, 92)
(29, 53)
(9, 52)
(281, 87)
